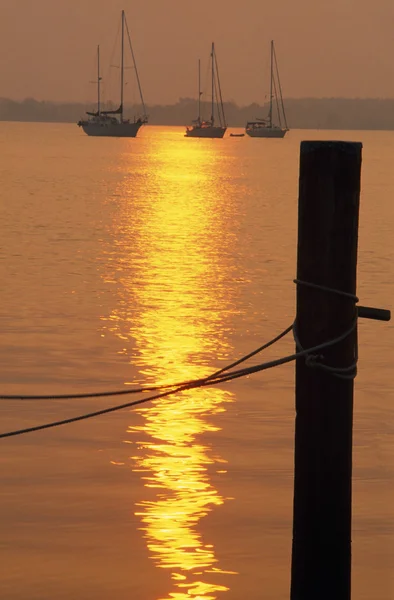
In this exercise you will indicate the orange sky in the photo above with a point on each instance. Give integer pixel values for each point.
(338, 48)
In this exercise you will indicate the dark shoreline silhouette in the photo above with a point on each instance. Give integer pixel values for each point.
(302, 113)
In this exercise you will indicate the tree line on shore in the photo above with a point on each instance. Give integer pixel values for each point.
(302, 113)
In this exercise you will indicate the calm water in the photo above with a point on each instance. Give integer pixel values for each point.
(157, 260)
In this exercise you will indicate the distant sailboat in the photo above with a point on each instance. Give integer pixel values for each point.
(110, 123)
(266, 128)
(208, 129)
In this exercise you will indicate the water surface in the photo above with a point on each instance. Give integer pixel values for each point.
(158, 260)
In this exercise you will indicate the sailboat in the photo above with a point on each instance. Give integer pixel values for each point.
(208, 129)
(266, 128)
(111, 123)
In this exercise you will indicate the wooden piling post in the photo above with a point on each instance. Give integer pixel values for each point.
(329, 190)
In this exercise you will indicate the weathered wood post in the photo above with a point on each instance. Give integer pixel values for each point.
(329, 191)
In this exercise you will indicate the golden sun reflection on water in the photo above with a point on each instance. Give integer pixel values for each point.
(173, 312)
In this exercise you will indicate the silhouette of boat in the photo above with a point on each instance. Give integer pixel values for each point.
(207, 129)
(111, 123)
(266, 128)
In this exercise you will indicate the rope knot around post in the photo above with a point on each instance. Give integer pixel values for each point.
(313, 360)
(317, 361)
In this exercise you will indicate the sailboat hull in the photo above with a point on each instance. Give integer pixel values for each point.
(265, 128)
(206, 132)
(123, 129)
(267, 132)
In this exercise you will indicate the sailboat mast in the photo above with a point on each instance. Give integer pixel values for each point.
(199, 91)
(221, 112)
(98, 81)
(280, 91)
(271, 82)
(122, 70)
(136, 70)
(213, 85)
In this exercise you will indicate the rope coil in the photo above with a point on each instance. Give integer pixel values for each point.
(316, 361)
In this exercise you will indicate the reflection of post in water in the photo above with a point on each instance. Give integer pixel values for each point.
(175, 265)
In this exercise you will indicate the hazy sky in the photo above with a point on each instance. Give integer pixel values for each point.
(325, 48)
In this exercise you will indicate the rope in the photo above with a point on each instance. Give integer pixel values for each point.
(220, 377)
(153, 388)
(315, 361)
(312, 360)
(324, 288)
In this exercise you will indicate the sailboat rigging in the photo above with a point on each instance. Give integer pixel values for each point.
(111, 123)
(207, 129)
(266, 128)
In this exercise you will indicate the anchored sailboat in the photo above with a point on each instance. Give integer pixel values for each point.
(111, 123)
(208, 129)
(266, 128)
